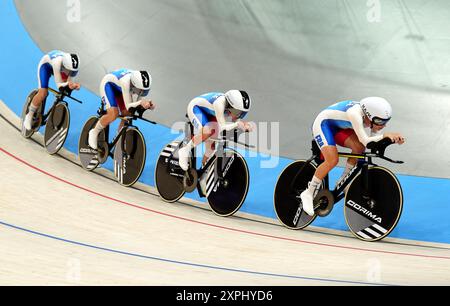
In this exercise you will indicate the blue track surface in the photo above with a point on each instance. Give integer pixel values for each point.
(426, 200)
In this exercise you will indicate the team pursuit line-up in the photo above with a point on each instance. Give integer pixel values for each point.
(373, 195)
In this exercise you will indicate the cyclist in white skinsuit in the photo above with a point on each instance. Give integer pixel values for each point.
(370, 112)
(121, 90)
(208, 113)
(63, 66)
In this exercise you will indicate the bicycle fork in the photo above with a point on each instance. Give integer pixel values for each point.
(366, 195)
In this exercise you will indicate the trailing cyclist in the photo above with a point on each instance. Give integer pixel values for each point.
(63, 66)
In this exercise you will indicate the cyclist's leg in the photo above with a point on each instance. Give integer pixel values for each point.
(45, 71)
(122, 109)
(331, 159)
(324, 136)
(112, 112)
(202, 132)
(324, 132)
(347, 138)
(201, 121)
(210, 145)
(355, 145)
(44, 74)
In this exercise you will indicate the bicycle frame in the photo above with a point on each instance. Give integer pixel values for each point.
(128, 121)
(363, 164)
(59, 97)
(365, 160)
(189, 132)
(219, 151)
(113, 143)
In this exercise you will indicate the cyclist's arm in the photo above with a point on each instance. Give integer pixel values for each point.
(57, 66)
(219, 109)
(356, 118)
(126, 92)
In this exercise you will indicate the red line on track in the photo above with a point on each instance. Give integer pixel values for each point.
(213, 225)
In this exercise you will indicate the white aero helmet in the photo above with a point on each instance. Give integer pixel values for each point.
(239, 101)
(378, 110)
(71, 62)
(141, 80)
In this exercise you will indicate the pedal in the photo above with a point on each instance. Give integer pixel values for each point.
(37, 123)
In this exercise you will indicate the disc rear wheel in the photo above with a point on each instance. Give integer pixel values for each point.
(286, 196)
(88, 157)
(168, 182)
(37, 118)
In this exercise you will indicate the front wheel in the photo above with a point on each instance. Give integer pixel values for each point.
(57, 128)
(286, 200)
(226, 195)
(374, 217)
(129, 157)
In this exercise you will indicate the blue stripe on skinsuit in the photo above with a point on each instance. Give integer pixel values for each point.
(330, 127)
(121, 73)
(328, 131)
(342, 106)
(201, 116)
(211, 96)
(207, 111)
(111, 91)
(337, 124)
(55, 53)
(45, 72)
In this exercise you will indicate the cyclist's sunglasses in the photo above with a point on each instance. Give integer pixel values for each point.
(379, 121)
(140, 92)
(237, 113)
(70, 73)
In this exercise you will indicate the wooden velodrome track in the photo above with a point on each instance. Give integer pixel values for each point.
(62, 225)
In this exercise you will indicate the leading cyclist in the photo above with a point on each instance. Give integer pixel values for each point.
(346, 120)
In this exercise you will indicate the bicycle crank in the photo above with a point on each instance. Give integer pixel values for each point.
(190, 180)
(323, 203)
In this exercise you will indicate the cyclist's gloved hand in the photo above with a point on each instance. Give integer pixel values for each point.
(245, 126)
(74, 86)
(241, 125)
(395, 137)
(251, 126)
(146, 104)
